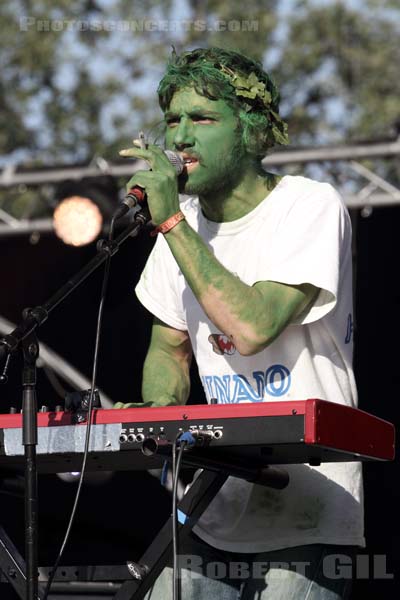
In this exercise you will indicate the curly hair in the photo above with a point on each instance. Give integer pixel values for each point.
(240, 81)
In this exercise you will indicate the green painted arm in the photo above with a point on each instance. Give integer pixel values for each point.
(251, 316)
(166, 379)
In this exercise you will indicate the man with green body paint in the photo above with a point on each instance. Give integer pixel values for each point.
(252, 272)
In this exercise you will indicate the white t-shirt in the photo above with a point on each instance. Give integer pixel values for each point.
(300, 233)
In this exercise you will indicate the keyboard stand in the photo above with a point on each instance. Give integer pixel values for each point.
(144, 573)
(12, 565)
(193, 504)
(190, 508)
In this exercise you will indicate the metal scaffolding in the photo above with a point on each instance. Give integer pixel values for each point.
(371, 189)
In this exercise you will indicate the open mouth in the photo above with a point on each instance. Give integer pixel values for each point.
(190, 162)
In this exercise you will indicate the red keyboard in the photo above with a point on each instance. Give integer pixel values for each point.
(303, 431)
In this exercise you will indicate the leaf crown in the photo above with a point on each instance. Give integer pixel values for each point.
(256, 94)
(227, 75)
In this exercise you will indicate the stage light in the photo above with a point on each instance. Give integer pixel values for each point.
(83, 207)
(77, 221)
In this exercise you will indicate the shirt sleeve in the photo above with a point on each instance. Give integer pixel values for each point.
(310, 245)
(158, 289)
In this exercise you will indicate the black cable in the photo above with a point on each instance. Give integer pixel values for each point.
(89, 417)
(111, 232)
(176, 466)
(174, 520)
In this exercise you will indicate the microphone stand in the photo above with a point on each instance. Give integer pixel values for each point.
(24, 337)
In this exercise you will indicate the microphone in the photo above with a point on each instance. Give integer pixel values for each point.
(137, 195)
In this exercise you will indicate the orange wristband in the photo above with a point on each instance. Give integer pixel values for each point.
(169, 223)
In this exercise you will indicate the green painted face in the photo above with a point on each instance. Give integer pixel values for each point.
(207, 135)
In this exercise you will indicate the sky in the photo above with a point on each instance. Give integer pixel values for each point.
(122, 45)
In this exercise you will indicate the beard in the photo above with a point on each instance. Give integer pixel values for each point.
(221, 178)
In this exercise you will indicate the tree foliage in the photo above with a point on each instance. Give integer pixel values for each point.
(84, 88)
(339, 69)
(78, 77)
